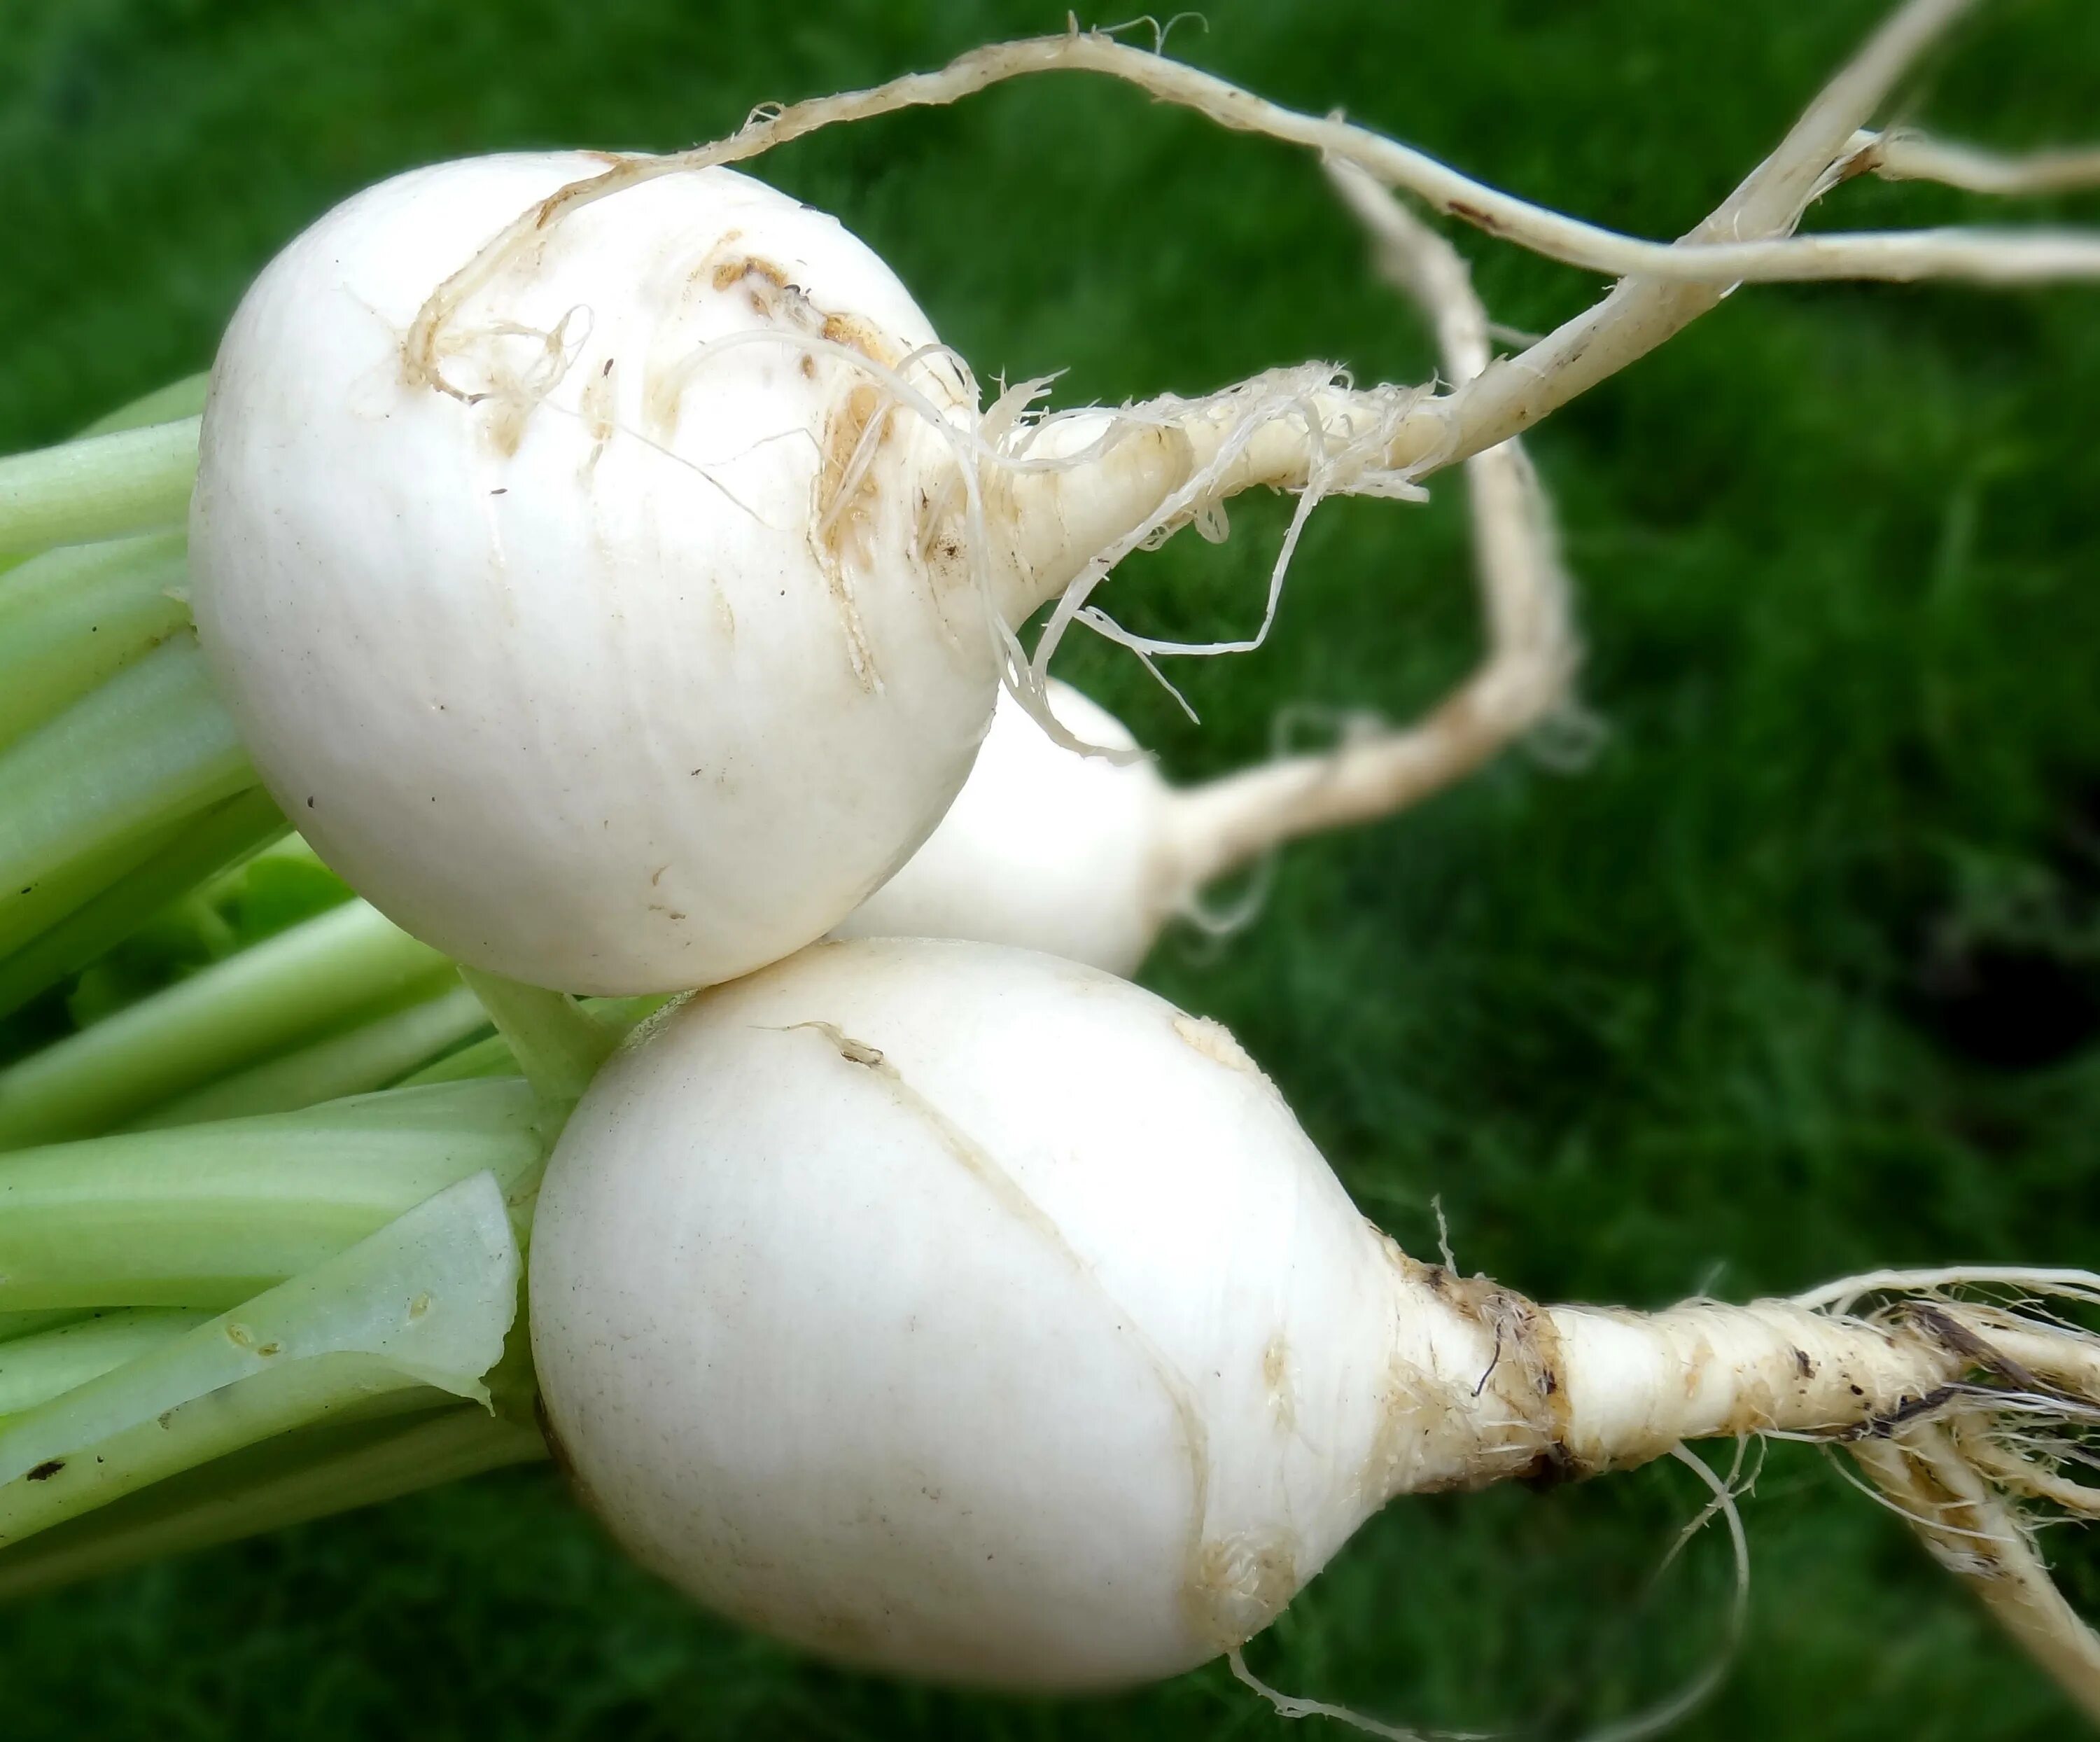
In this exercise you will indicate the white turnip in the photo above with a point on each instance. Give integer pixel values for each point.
(969, 1313)
(533, 665)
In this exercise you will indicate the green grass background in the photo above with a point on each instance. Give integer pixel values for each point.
(1798, 973)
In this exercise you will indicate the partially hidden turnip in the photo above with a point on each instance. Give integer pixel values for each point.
(1046, 848)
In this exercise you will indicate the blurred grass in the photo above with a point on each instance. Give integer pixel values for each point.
(1801, 973)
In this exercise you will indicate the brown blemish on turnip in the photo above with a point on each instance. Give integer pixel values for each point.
(1276, 1382)
(1238, 1585)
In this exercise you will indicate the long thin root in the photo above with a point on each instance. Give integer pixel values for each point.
(1974, 1498)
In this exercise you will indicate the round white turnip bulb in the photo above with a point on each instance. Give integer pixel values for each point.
(969, 1313)
(1086, 1431)
(534, 669)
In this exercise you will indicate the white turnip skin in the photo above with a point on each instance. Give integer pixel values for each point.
(1044, 848)
(945, 1416)
(534, 672)
(971, 1313)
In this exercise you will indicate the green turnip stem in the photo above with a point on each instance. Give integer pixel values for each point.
(423, 1303)
(190, 851)
(293, 987)
(40, 907)
(207, 1215)
(309, 1474)
(364, 1224)
(288, 847)
(131, 480)
(374, 1005)
(72, 617)
(558, 1044)
(167, 404)
(436, 1017)
(14, 1325)
(147, 750)
(35, 1367)
(179, 400)
(493, 1057)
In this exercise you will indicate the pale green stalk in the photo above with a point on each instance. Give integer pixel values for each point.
(38, 907)
(494, 1058)
(197, 848)
(14, 1325)
(289, 988)
(423, 1303)
(366, 1057)
(171, 404)
(35, 1368)
(373, 1243)
(308, 1474)
(207, 1215)
(289, 848)
(491, 1057)
(131, 480)
(73, 617)
(143, 751)
(556, 1042)
(178, 399)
